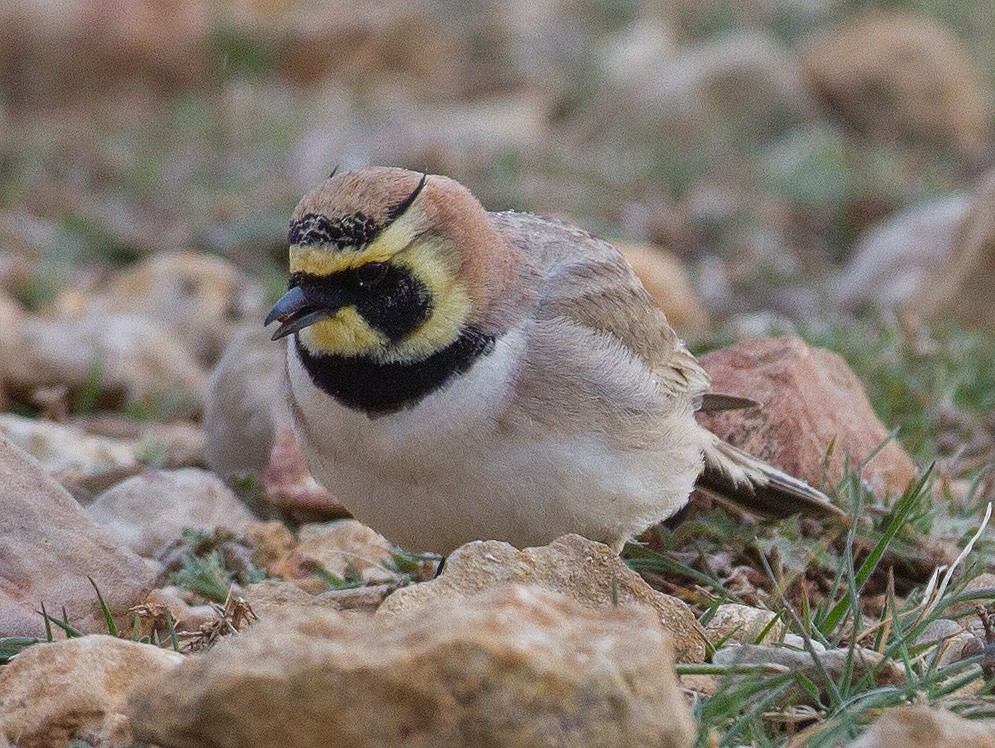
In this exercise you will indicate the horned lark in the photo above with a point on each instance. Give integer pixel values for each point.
(456, 374)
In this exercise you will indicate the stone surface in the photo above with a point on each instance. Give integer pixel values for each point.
(963, 289)
(741, 623)
(149, 512)
(583, 570)
(63, 449)
(519, 666)
(667, 282)
(48, 548)
(197, 296)
(809, 398)
(346, 548)
(896, 260)
(134, 357)
(922, 727)
(900, 76)
(243, 396)
(76, 688)
(834, 662)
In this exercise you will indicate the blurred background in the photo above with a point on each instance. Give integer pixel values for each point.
(817, 167)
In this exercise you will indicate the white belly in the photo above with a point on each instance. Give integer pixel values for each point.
(451, 469)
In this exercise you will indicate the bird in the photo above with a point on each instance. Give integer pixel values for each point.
(455, 374)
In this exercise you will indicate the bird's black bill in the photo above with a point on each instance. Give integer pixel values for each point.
(295, 313)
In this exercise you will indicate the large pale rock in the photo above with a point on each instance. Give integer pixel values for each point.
(198, 297)
(516, 666)
(62, 449)
(663, 276)
(922, 727)
(134, 356)
(77, 688)
(743, 85)
(900, 76)
(963, 288)
(583, 570)
(148, 513)
(809, 398)
(48, 548)
(896, 261)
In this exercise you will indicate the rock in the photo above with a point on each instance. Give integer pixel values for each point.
(48, 548)
(198, 297)
(836, 663)
(518, 666)
(125, 356)
(77, 688)
(985, 580)
(741, 623)
(345, 548)
(244, 396)
(289, 487)
(744, 86)
(67, 450)
(583, 570)
(922, 727)
(963, 289)
(809, 398)
(147, 513)
(895, 261)
(664, 277)
(903, 77)
(271, 542)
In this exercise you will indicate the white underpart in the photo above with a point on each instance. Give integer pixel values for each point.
(450, 470)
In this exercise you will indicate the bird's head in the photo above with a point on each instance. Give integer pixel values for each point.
(388, 264)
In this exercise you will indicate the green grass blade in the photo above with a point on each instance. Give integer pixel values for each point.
(108, 619)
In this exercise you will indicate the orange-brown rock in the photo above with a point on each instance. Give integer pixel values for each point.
(901, 77)
(809, 400)
(77, 688)
(668, 283)
(512, 666)
(963, 288)
(581, 569)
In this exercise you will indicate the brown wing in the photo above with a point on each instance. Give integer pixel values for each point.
(586, 280)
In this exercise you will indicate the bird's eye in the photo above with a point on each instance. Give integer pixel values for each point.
(371, 273)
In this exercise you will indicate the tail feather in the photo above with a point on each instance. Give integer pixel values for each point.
(759, 487)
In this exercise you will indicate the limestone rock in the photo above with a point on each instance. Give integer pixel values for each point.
(62, 449)
(345, 548)
(834, 662)
(583, 570)
(518, 666)
(809, 398)
(921, 727)
(664, 277)
(149, 512)
(963, 289)
(896, 261)
(198, 297)
(743, 84)
(48, 548)
(134, 357)
(741, 623)
(76, 688)
(900, 77)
